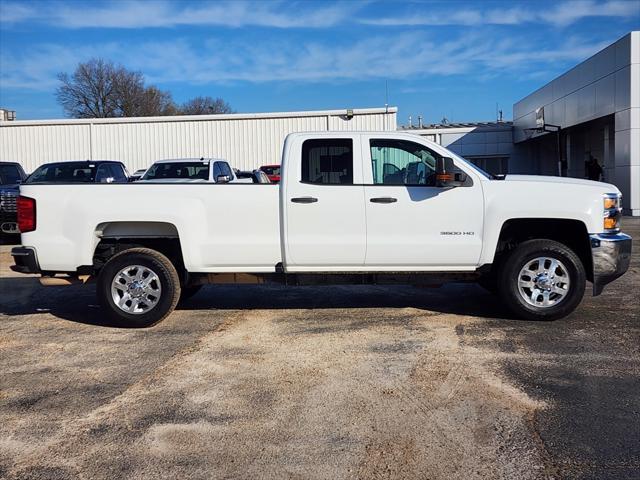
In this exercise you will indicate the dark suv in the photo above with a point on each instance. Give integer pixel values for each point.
(88, 171)
(11, 175)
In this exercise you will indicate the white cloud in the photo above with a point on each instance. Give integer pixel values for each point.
(216, 60)
(15, 12)
(158, 13)
(129, 14)
(38, 68)
(572, 11)
(558, 13)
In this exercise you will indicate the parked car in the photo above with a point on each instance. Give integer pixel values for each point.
(11, 176)
(272, 171)
(256, 176)
(86, 171)
(340, 215)
(191, 170)
(137, 175)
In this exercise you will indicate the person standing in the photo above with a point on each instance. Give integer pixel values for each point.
(594, 170)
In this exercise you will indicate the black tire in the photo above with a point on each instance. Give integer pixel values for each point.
(169, 287)
(527, 252)
(188, 292)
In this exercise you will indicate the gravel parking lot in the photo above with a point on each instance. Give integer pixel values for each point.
(327, 383)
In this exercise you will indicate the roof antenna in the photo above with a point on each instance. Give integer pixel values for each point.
(386, 95)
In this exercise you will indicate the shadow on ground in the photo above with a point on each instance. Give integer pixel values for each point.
(25, 296)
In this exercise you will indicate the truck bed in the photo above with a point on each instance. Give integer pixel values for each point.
(228, 227)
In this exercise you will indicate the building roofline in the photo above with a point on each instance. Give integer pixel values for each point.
(439, 127)
(201, 118)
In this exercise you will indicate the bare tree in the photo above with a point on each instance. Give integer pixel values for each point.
(155, 102)
(205, 106)
(98, 88)
(90, 91)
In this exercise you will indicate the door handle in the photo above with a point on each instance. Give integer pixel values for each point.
(304, 200)
(383, 200)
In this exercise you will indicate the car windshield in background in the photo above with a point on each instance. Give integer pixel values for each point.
(185, 170)
(67, 172)
(9, 174)
(271, 170)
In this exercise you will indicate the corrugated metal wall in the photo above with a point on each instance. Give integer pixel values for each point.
(246, 140)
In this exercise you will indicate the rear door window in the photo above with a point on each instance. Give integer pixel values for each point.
(327, 161)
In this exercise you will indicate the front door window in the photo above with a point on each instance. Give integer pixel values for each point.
(401, 162)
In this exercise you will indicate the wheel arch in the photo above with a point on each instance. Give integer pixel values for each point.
(570, 232)
(115, 237)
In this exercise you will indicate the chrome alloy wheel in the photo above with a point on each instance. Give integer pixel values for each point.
(543, 282)
(136, 289)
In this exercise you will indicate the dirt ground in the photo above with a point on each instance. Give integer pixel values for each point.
(359, 382)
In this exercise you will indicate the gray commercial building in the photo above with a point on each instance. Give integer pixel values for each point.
(593, 110)
(486, 144)
(596, 108)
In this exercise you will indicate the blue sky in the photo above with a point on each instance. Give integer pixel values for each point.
(455, 59)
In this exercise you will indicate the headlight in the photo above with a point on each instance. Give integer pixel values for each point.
(612, 211)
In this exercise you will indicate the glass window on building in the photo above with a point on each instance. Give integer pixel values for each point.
(493, 165)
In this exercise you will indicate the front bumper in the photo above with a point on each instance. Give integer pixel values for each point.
(25, 260)
(611, 254)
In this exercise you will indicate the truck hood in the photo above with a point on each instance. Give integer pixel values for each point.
(565, 180)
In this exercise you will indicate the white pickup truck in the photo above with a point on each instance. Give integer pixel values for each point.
(352, 207)
(191, 170)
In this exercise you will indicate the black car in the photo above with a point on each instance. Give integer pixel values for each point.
(88, 171)
(11, 175)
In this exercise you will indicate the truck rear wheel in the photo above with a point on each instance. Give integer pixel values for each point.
(542, 280)
(138, 287)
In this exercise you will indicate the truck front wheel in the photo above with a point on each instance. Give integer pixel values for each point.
(542, 280)
(138, 287)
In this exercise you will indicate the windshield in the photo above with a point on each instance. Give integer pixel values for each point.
(275, 170)
(9, 174)
(67, 172)
(184, 170)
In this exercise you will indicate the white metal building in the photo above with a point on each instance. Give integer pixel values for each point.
(596, 105)
(247, 141)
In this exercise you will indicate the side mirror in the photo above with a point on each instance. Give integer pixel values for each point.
(447, 175)
(223, 179)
